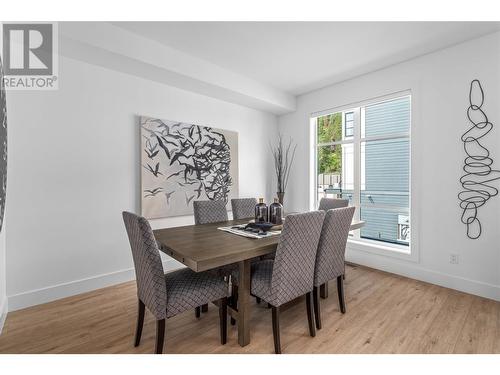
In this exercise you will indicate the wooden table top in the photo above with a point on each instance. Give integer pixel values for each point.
(204, 247)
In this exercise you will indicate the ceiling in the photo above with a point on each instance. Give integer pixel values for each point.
(297, 57)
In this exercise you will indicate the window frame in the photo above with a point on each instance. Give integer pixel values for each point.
(355, 241)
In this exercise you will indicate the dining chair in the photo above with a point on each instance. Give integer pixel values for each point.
(167, 295)
(206, 212)
(326, 204)
(330, 258)
(291, 274)
(243, 208)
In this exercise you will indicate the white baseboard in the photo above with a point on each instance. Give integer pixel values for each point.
(3, 312)
(55, 292)
(408, 269)
(413, 271)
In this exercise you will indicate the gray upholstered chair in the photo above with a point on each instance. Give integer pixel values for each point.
(330, 258)
(243, 208)
(326, 204)
(206, 212)
(291, 273)
(168, 295)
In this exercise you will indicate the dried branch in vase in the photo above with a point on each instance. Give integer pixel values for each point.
(284, 155)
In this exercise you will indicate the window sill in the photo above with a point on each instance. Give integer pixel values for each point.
(384, 249)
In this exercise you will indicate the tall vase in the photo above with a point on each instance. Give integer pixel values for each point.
(281, 196)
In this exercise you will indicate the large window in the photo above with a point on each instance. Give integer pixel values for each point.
(363, 154)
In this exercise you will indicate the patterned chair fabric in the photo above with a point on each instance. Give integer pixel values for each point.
(170, 294)
(151, 287)
(243, 208)
(291, 273)
(206, 212)
(331, 249)
(187, 289)
(326, 204)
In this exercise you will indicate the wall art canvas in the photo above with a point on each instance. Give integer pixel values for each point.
(183, 162)
(3, 146)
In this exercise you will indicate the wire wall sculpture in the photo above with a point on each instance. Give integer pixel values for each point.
(478, 180)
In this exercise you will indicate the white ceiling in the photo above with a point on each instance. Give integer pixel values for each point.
(297, 57)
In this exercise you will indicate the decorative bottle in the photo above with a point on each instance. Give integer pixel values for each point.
(276, 212)
(261, 211)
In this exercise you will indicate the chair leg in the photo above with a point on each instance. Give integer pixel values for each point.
(323, 290)
(204, 308)
(310, 314)
(340, 290)
(197, 312)
(257, 299)
(160, 335)
(234, 301)
(276, 329)
(317, 311)
(140, 323)
(223, 320)
(234, 296)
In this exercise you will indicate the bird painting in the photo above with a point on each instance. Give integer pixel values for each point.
(187, 162)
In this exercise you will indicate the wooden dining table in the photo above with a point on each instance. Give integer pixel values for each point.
(204, 247)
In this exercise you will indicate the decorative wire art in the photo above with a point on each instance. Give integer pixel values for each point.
(479, 174)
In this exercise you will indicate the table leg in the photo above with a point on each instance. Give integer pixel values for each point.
(323, 290)
(244, 303)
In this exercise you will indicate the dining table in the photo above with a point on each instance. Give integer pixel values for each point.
(204, 247)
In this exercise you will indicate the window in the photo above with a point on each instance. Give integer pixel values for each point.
(349, 124)
(363, 154)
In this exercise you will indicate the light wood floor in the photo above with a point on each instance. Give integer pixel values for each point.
(385, 314)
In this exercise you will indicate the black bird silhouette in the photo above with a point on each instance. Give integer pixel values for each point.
(199, 190)
(178, 155)
(166, 130)
(155, 171)
(167, 133)
(151, 154)
(165, 148)
(168, 195)
(151, 151)
(174, 174)
(188, 199)
(152, 192)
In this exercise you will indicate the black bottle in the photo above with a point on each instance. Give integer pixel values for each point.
(261, 211)
(276, 212)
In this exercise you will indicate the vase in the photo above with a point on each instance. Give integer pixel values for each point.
(281, 196)
(261, 211)
(276, 212)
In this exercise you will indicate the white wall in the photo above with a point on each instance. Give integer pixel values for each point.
(74, 165)
(439, 84)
